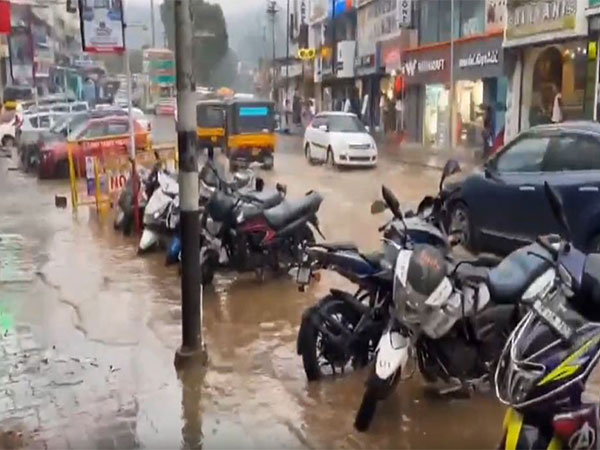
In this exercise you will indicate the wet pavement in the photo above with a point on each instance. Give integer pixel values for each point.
(88, 332)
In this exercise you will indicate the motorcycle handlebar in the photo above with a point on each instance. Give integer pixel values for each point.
(546, 244)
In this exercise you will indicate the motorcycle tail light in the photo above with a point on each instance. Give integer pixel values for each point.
(567, 424)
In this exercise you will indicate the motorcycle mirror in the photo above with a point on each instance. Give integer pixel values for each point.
(377, 207)
(452, 166)
(426, 203)
(260, 184)
(558, 209)
(392, 202)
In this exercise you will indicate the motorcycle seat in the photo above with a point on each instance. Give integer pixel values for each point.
(510, 279)
(339, 246)
(291, 210)
(267, 198)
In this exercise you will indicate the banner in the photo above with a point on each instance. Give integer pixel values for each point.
(102, 28)
(5, 26)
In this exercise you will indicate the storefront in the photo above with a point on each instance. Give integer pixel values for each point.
(479, 89)
(547, 57)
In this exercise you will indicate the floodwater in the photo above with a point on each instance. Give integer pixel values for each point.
(102, 325)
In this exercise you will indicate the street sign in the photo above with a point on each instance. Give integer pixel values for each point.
(306, 54)
(404, 13)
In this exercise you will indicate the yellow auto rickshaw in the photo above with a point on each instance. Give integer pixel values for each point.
(250, 132)
(211, 116)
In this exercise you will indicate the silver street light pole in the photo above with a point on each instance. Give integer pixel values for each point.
(451, 96)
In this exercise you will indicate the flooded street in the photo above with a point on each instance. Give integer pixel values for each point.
(89, 333)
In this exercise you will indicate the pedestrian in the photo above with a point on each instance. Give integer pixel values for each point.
(557, 106)
(488, 131)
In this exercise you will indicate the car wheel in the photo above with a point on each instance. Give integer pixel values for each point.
(8, 141)
(330, 158)
(461, 226)
(308, 154)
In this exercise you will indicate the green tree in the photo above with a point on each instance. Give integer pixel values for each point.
(211, 40)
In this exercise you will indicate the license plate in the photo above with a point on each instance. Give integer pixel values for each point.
(550, 312)
(255, 152)
(303, 275)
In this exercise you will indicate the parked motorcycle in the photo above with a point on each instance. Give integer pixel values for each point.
(451, 317)
(548, 373)
(240, 234)
(342, 330)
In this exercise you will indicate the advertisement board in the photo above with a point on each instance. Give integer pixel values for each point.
(102, 26)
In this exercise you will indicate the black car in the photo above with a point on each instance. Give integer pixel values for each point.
(501, 205)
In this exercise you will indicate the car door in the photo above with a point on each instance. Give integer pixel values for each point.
(508, 206)
(572, 166)
(318, 138)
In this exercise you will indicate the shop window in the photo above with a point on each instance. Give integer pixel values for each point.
(472, 17)
(524, 155)
(429, 23)
(572, 153)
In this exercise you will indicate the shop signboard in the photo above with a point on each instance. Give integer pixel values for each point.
(376, 21)
(427, 67)
(532, 17)
(391, 50)
(404, 13)
(102, 29)
(337, 8)
(495, 15)
(346, 50)
(481, 58)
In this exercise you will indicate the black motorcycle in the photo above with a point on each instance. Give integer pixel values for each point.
(342, 330)
(548, 373)
(240, 232)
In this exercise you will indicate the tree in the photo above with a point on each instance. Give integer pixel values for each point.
(211, 40)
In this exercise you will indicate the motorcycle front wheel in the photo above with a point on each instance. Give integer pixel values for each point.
(377, 390)
(322, 356)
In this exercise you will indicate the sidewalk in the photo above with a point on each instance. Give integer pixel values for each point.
(414, 154)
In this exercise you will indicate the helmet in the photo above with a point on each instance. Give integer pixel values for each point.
(420, 282)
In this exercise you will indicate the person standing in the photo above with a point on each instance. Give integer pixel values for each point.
(557, 107)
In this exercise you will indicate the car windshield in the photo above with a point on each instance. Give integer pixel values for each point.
(77, 131)
(210, 116)
(68, 122)
(345, 124)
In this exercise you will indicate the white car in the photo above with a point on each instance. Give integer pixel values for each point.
(340, 139)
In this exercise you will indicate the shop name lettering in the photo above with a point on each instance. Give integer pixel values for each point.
(479, 59)
(536, 12)
(411, 67)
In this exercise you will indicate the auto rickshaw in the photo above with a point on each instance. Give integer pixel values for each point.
(211, 116)
(250, 133)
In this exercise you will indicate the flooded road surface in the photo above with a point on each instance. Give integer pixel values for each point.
(89, 332)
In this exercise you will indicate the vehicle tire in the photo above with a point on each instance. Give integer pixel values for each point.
(330, 158)
(61, 169)
(312, 345)
(460, 220)
(377, 390)
(307, 154)
(8, 141)
(594, 245)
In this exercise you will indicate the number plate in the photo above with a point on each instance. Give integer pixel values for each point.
(303, 275)
(550, 312)
(255, 152)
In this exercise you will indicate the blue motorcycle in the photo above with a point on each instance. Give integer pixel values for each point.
(341, 332)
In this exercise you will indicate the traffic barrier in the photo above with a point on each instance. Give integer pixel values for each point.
(107, 170)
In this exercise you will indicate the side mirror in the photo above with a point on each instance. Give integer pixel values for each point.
(558, 209)
(324, 128)
(392, 202)
(377, 207)
(426, 203)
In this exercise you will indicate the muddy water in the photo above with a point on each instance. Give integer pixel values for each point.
(92, 296)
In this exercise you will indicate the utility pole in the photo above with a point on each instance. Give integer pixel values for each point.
(287, 53)
(192, 347)
(272, 11)
(152, 24)
(451, 95)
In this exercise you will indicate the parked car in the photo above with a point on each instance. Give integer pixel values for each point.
(92, 137)
(10, 121)
(34, 126)
(501, 205)
(339, 139)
